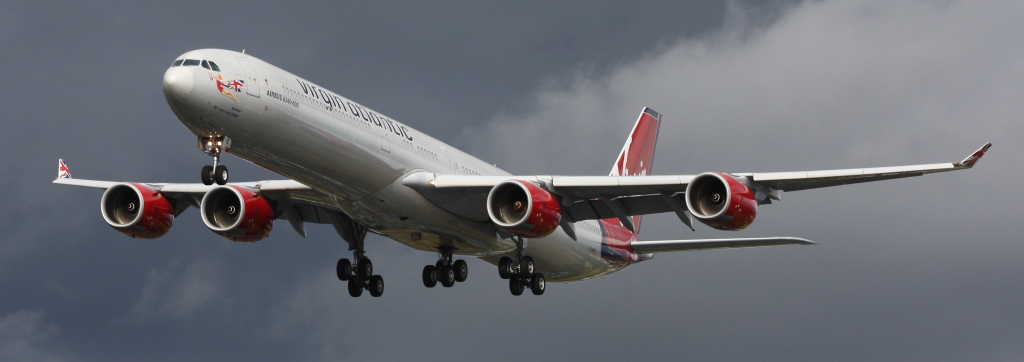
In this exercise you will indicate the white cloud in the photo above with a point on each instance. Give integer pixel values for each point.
(829, 84)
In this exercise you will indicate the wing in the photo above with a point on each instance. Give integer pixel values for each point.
(291, 200)
(601, 197)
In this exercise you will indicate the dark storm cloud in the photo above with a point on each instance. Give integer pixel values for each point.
(919, 269)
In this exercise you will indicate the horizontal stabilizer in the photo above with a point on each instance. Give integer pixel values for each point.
(643, 247)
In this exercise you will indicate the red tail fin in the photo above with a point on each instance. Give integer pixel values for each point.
(638, 152)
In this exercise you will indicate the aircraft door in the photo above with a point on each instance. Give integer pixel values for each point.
(252, 82)
(385, 139)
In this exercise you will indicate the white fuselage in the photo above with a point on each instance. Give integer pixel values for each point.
(357, 158)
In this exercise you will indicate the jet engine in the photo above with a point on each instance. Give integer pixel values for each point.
(137, 211)
(523, 209)
(237, 213)
(721, 201)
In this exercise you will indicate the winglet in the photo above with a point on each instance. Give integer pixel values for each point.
(62, 169)
(974, 157)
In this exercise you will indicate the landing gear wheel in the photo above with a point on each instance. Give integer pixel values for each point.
(344, 269)
(355, 287)
(376, 286)
(515, 285)
(207, 176)
(503, 267)
(365, 268)
(220, 175)
(447, 277)
(429, 276)
(526, 266)
(461, 270)
(538, 284)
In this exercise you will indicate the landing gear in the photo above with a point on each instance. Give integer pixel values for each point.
(521, 273)
(213, 146)
(344, 269)
(360, 275)
(445, 271)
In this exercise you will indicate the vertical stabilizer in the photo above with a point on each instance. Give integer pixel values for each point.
(638, 153)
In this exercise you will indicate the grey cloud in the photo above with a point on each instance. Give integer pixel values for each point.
(179, 290)
(24, 336)
(918, 269)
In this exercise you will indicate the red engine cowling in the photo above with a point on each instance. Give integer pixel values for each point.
(137, 211)
(237, 213)
(720, 201)
(523, 209)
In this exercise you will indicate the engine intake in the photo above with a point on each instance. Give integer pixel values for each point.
(137, 211)
(721, 201)
(237, 213)
(523, 209)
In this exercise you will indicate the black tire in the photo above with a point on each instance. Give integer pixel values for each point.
(207, 176)
(503, 264)
(429, 276)
(220, 175)
(461, 270)
(376, 286)
(526, 267)
(365, 268)
(344, 269)
(515, 285)
(447, 277)
(439, 264)
(538, 284)
(355, 287)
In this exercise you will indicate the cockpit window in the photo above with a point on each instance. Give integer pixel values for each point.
(177, 62)
(214, 66)
(206, 65)
(189, 62)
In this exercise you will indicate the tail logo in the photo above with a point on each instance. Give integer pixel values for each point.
(62, 170)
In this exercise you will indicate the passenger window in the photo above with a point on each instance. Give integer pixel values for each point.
(206, 65)
(177, 62)
(190, 62)
(214, 66)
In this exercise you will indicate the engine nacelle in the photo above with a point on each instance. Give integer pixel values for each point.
(523, 209)
(237, 213)
(137, 211)
(721, 201)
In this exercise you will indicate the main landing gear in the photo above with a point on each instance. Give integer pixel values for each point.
(361, 277)
(213, 146)
(521, 274)
(445, 270)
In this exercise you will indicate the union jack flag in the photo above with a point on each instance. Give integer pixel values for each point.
(62, 170)
(235, 84)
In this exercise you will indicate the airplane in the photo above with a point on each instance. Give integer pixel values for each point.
(360, 171)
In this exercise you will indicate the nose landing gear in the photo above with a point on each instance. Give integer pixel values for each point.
(213, 146)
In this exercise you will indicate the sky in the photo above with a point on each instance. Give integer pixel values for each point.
(924, 268)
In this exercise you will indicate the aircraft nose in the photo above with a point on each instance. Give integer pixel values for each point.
(177, 81)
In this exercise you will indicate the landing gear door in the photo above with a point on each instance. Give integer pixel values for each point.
(252, 83)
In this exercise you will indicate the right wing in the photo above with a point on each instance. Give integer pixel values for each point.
(602, 197)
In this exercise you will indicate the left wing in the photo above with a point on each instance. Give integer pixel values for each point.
(601, 197)
(291, 200)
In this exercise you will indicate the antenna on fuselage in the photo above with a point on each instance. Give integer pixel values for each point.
(243, 50)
